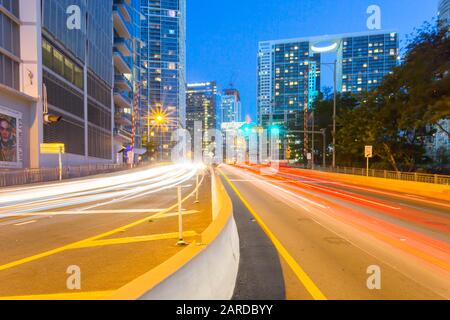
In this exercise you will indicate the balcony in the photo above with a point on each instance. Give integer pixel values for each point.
(122, 135)
(124, 46)
(122, 100)
(122, 119)
(123, 6)
(122, 83)
(120, 24)
(120, 62)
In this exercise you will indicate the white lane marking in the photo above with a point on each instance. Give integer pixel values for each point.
(288, 192)
(75, 212)
(24, 223)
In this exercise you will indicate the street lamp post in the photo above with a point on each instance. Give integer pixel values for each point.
(334, 64)
(323, 133)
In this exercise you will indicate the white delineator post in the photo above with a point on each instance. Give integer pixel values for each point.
(180, 242)
(197, 191)
(60, 162)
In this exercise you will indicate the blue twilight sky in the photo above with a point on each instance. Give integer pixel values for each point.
(222, 35)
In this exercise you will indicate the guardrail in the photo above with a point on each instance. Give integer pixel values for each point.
(204, 270)
(27, 176)
(404, 176)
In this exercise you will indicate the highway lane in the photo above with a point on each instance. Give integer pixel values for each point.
(113, 238)
(328, 240)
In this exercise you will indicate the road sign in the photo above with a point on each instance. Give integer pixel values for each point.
(368, 152)
(52, 148)
(55, 148)
(309, 156)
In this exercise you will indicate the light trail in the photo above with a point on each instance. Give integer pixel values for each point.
(105, 190)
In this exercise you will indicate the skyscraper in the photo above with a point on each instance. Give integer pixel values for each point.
(290, 71)
(444, 13)
(230, 106)
(201, 105)
(163, 62)
(127, 76)
(288, 81)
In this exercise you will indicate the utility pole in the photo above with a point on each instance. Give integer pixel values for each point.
(334, 114)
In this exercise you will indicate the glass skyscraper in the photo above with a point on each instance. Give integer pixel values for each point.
(127, 76)
(289, 73)
(230, 106)
(363, 61)
(163, 62)
(288, 81)
(444, 13)
(201, 106)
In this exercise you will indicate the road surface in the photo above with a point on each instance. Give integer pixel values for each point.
(113, 228)
(308, 238)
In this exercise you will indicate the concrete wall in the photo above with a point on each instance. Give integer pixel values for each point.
(211, 275)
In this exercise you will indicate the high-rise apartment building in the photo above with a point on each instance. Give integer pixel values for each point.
(127, 77)
(61, 50)
(364, 60)
(444, 13)
(290, 72)
(201, 106)
(230, 106)
(288, 78)
(163, 61)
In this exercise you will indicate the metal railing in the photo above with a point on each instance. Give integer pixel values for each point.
(405, 176)
(27, 176)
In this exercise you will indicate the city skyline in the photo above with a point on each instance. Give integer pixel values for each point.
(205, 47)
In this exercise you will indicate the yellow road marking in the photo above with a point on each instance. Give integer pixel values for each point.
(93, 295)
(103, 235)
(310, 286)
(153, 237)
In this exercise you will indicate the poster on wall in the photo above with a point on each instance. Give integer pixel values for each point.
(10, 139)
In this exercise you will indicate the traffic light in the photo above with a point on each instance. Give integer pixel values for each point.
(51, 119)
(274, 129)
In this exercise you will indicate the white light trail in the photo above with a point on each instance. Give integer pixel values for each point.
(120, 187)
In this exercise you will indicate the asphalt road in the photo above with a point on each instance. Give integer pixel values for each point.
(329, 237)
(114, 228)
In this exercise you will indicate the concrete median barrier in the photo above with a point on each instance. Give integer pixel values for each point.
(203, 270)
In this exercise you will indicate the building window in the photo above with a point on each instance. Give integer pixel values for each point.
(9, 72)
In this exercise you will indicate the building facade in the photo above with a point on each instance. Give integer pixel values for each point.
(127, 79)
(230, 107)
(78, 78)
(163, 62)
(444, 13)
(20, 121)
(60, 56)
(364, 60)
(201, 106)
